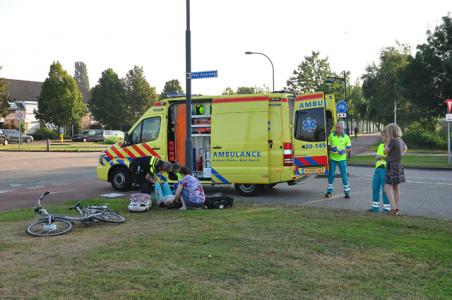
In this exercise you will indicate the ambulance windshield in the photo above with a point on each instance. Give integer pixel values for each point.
(310, 125)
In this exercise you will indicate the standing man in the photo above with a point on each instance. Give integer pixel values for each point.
(338, 144)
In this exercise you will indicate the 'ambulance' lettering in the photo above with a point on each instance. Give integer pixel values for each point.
(311, 104)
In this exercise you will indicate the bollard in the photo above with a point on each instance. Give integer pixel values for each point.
(48, 145)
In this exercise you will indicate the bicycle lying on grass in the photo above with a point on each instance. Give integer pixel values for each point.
(50, 225)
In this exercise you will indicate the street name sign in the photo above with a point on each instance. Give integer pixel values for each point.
(204, 74)
(449, 117)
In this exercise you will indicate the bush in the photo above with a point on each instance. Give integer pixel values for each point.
(111, 140)
(45, 133)
(417, 139)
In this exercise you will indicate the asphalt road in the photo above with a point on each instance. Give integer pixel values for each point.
(426, 193)
(71, 176)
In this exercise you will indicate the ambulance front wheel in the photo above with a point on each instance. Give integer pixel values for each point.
(248, 190)
(120, 179)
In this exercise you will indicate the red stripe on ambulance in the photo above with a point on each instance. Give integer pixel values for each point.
(147, 147)
(138, 150)
(310, 97)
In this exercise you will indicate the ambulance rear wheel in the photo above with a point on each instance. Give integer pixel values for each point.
(248, 190)
(120, 179)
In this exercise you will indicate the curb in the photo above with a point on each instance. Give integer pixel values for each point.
(405, 167)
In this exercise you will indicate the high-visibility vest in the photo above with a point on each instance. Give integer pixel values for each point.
(153, 165)
(339, 143)
(381, 152)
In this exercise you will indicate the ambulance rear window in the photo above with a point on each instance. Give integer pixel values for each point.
(310, 125)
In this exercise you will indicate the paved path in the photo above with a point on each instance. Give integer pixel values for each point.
(364, 142)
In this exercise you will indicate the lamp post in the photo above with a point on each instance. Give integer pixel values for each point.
(273, 69)
(343, 79)
(188, 142)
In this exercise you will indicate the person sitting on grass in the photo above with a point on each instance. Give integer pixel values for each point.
(189, 192)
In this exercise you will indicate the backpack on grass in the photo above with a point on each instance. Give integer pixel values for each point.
(218, 201)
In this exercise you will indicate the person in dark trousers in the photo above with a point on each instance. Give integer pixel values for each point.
(145, 170)
(356, 129)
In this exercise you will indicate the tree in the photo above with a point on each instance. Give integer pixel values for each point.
(4, 96)
(427, 80)
(138, 93)
(60, 101)
(382, 87)
(81, 75)
(310, 75)
(107, 103)
(171, 87)
(246, 90)
(228, 91)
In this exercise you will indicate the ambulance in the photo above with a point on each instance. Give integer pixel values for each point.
(250, 141)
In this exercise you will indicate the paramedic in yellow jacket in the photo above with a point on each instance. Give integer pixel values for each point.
(338, 144)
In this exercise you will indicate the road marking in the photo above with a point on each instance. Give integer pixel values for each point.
(334, 198)
(410, 181)
(16, 184)
(3, 191)
(34, 187)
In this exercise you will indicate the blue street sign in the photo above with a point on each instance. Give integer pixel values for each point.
(205, 74)
(341, 106)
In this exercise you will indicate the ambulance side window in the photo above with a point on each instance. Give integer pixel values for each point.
(151, 129)
(135, 136)
(148, 130)
(310, 125)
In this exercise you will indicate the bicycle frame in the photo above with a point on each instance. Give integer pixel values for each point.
(85, 213)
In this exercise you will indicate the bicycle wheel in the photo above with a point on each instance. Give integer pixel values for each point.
(110, 216)
(43, 228)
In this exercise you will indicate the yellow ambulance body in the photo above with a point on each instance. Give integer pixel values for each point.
(251, 141)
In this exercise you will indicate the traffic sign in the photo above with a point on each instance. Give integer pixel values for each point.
(342, 106)
(204, 74)
(449, 105)
(342, 115)
(20, 115)
(449, 117)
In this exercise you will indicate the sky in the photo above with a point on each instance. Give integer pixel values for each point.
(151, 34)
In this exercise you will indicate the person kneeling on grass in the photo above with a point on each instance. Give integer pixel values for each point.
(189, 191)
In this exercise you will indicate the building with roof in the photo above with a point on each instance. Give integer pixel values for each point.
(24, 98)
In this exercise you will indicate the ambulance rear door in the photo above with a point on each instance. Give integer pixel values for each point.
(309, 136)
(239, 140)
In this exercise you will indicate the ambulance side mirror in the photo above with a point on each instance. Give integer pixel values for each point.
(126, 139)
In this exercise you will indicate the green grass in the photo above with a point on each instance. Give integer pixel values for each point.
(56, 146)
(247, 252)
(407, 161)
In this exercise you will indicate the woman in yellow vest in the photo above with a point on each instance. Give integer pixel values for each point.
(378, 182)
(339, 143)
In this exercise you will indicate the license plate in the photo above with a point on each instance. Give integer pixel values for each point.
(320, 170)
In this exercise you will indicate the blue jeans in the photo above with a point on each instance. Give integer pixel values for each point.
(378, 184)
(343, 169)
(186, 196)
(160, 193)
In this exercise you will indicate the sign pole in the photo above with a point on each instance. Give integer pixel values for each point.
(448, 120)
(448, 143)
(188, 142)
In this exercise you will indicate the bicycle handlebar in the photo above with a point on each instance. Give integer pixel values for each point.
(41, 198)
